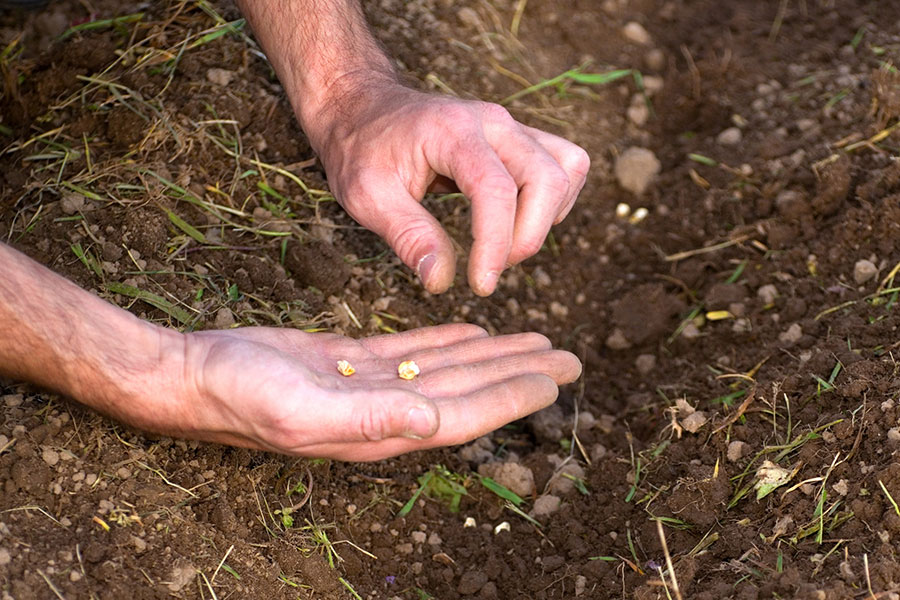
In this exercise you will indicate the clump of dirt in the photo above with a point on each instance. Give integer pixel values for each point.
(750, 319)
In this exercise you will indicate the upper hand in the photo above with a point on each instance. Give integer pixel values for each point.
(384, 145)
(279, 389)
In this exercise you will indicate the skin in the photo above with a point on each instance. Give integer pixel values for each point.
(265, 388)
(383, 145)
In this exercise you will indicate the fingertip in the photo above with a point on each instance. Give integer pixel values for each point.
(486, 284)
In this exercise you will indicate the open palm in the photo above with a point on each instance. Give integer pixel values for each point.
(280, 390)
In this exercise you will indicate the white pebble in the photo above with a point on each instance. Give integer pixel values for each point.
(635, 32)
(730, 137)
(636, 169)
(863, 271)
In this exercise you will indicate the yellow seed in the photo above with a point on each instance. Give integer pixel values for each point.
(345, 368)
(408, 369)
(718, 315)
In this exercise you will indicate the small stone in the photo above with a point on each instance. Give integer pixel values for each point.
(545, 505)
(841, 487)
(636, 168)
(767, 293)
(50, 456)
(736, 450)
(580, 584)
(635, 32)
(741, 325)
(219, 76)
(617, 340)
(434, 539)
(13, 400)
(471, 582)
(694, 422)
(893, 434)
(563, 482)
(5, 557)
(139, 544)
(123, 473)
(792, 335)
(405, 548)
(653, 84)
(690, 332)
(549, 424)
(182, 575)
(513, 476)
(598, 451)
(638, 114)
(541, 278)
(559, 310)
(863, 271)
(885, 406)
(224, 318)
(74, 576)
(71, 203)
(730, 137)
(645, 363)
(418, 537)
(655, 59)
(806, 124)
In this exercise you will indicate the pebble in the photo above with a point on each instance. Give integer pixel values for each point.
(690, 332)
(219, 76)
(405, 548)
(645, 363)
(12, 400)
(545, 505)
(792, 335)
(74, 576)
(541, 278)
(5, 557)
(730, 137)
(598, 451)
(434, 539)
(418, 537)
(893, 434)
(71, 203)
(863, 271)
(694, 421)
(559, 310)
(50, 456)
(736, 450)
(617, 340)
(655, 59)
(767, 293)
(635, 32)
(638, 114)
(513, 476)
(561, 484)
(653, 84)
(841, 487)
(224, 318)
(580, 585)
(471, 582)
(636, 168)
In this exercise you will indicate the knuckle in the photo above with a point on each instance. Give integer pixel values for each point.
(499, 187)
(529, 247)
(407, 235)
(578, 162)
(496, 113)
(454, 112)
(374, 423)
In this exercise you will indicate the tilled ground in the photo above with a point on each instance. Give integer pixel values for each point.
(740, 387)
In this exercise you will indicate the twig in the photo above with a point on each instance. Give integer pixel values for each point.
(665, 547)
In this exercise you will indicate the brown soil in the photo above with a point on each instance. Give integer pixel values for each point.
(800, 372)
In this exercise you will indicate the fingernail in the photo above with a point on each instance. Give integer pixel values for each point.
(488, 282)
(419, 424)
(426, 265)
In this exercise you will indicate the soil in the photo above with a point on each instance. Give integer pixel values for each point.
(744, 331)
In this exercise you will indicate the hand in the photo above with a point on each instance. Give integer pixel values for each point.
(279, 389)
(383, 145)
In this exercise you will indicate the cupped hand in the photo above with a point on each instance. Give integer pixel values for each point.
(280, 390)
(385, 145)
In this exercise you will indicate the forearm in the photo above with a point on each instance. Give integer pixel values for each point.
(323, 53)
(61, 337)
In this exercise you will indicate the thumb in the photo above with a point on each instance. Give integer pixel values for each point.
(417, 238)
(389, 413)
